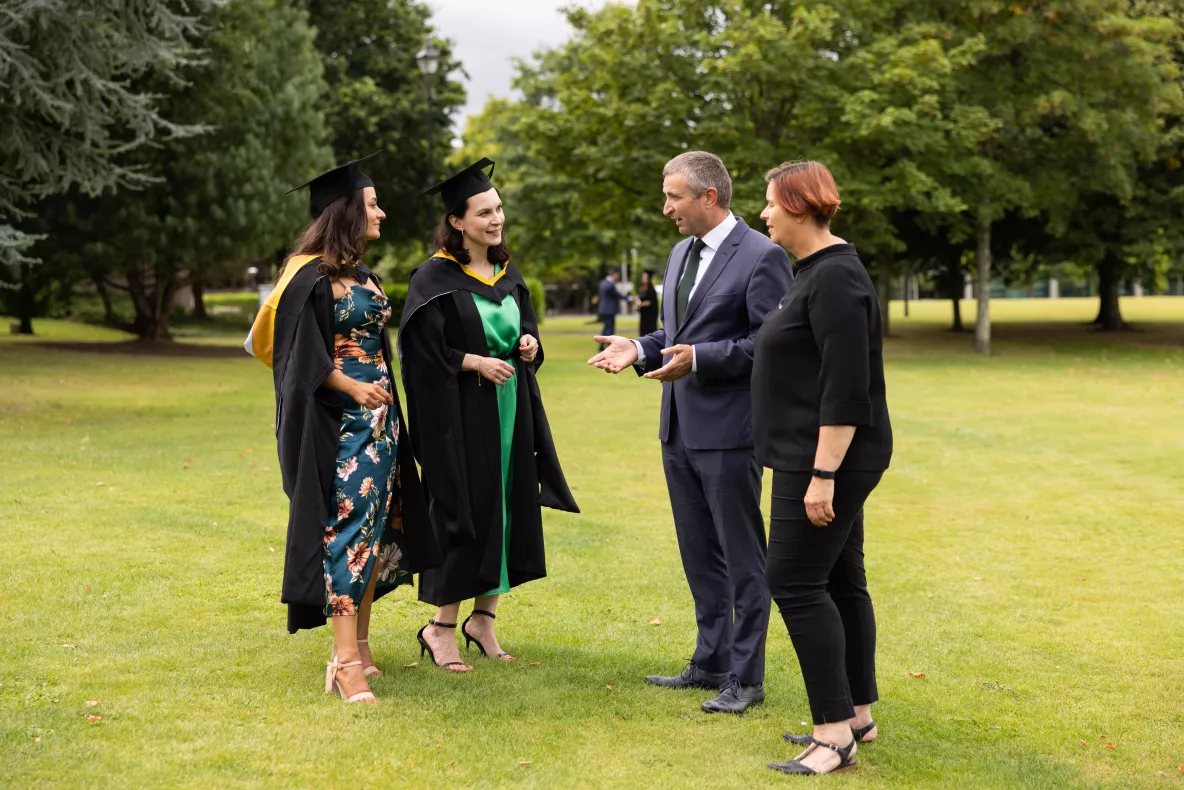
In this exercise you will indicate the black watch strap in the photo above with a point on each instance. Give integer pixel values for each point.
(822, 474)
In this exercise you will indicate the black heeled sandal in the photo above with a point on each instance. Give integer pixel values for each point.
(424, 647)
(504, 656)
(795, 766)
(804, 740)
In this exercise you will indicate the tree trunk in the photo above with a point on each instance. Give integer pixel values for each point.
(953, 275)
(199, 305)
(982, 265)
(1109, 282)
(153, 305)
(26, 303)
(884, 291)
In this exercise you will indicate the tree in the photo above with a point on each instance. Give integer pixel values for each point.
(859, 85)
(1074, 95)
(73, 102)
(220, 196)
(376, 101)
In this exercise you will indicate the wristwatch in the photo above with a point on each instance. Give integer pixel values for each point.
(822, 474)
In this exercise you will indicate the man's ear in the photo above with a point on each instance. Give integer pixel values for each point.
(712, 195)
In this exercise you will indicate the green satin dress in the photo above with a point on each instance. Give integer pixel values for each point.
(503, 329)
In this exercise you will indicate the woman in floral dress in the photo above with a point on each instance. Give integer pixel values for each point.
(357, 522)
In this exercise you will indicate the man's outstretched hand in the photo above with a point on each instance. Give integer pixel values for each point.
(619, 354)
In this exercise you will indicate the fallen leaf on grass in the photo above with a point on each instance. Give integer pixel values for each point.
(1084, 744)
(978, 578)
(100, 483)
(1111, 746)
(655, 621)
(412, 665)
(94, 719)
(525, 762)
(610, 688)
(90, 703)
(88, 586)
(269, 548)
(439, 746)
(1181, 767)
(68, 646)
(450, 763)
(534, 663)
(917, 675)
(38, 740)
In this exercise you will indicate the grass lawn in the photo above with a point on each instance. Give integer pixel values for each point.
(1025, 553)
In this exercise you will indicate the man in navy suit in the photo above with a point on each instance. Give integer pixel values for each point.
(719, 285)
(608, 303)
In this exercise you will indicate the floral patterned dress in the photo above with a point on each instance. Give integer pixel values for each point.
(367, 535)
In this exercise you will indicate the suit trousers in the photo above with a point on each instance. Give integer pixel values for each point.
(608, 327)
(817, 578)
(715, 496)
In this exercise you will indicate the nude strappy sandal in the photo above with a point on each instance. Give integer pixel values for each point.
(332, 683)
(371, 671)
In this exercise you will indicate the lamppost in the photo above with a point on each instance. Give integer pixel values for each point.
(428, 60)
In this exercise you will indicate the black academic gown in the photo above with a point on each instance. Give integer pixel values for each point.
(455, 432)
(308, 423)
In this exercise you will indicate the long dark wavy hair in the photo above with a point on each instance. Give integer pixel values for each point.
(338, 236)
(452, 240)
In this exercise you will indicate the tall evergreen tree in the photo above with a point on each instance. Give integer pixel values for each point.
(219, 196)
(73, 101)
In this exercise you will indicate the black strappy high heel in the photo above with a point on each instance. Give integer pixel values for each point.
(504, 656)
(804, 740)
(795, 766)
(424, 647)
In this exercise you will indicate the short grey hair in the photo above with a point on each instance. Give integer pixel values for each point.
(703, 171)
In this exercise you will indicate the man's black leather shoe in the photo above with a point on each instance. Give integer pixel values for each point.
(691, 678)
(735, 698)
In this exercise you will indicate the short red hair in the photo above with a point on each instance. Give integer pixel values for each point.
(805, 189)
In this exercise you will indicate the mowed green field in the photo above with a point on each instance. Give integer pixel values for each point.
(1025, 552)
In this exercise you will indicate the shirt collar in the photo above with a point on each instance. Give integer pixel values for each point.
(713, 238)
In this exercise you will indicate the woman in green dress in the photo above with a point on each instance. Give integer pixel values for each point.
(469, 348)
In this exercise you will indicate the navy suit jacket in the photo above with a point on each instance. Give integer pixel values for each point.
(746, 279)
(610, 298)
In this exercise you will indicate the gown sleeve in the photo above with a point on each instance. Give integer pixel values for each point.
(430, 369)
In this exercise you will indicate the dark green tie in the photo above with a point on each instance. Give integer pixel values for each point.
(687, 283)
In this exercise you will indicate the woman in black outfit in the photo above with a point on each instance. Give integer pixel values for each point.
(821, 423)
(647, 305)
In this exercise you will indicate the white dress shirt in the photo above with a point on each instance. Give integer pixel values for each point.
(712, 240)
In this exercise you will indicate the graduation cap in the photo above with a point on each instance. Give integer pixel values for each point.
(458, 188)
(335, 184)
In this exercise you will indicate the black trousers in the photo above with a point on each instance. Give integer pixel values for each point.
(716, 499)
(817, 578)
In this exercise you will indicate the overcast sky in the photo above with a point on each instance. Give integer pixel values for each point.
(488, 34)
